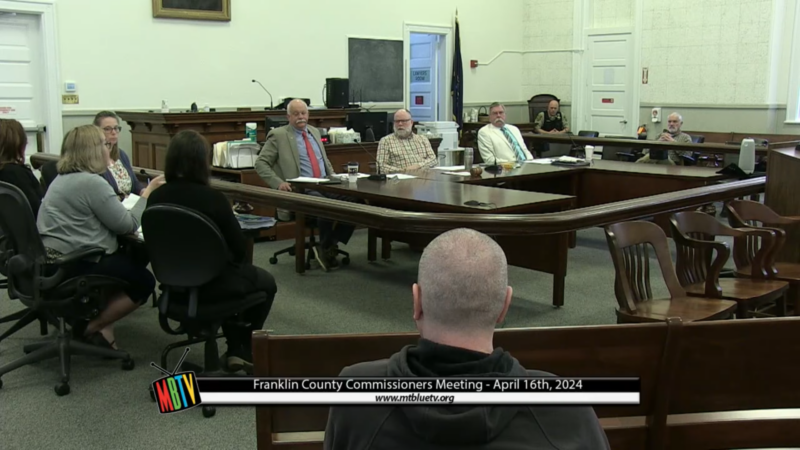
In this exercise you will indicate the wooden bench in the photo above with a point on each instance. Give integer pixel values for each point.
(726, 384)
(633, 350)
(736, 385)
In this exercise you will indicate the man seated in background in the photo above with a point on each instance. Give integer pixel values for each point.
(551, 122)
(296, 150)
(499, 142)
(456, 308)
(404, 150)
(673, 133)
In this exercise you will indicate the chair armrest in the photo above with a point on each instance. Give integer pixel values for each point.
(763, 264)
(79, 255)
(712, 288)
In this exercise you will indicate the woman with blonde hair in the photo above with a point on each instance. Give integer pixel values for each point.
(80, 211)
(120, 171)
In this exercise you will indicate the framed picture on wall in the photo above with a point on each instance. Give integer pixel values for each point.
(193, 9)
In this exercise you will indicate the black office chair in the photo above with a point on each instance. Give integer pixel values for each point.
(48, 289)
(617, 153)
(187, 251)
(49, 171)
(22, 317)
(580, 150)
(311, 225)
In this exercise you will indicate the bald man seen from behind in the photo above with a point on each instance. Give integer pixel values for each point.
(456, 308)
(296, 150)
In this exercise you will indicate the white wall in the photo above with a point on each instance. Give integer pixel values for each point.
(612, 13)
(123, 58)
(709, 52)
(547, 25)
(781, 45)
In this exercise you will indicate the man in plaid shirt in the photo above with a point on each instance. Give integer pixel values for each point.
(403, 150)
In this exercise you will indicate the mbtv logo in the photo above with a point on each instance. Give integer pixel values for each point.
(176, 391)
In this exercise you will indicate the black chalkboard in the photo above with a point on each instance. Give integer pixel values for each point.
(375, 70)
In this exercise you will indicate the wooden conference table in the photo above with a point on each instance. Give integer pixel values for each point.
(637, 143)
(529, 188)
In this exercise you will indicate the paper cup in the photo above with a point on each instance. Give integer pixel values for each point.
(352, 172)
(589, 151)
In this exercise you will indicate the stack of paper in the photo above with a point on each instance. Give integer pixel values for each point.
(253, 222)
(345, 176)
(461, 174)
(400, 176)
(451, 168)
(308, 180)
(569, 159)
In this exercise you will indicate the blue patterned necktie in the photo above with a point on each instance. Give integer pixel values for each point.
(514, 144)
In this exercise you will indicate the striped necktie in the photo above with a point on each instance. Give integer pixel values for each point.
(514, 144)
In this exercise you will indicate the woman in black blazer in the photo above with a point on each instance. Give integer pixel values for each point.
(13, 170)
(187, 173)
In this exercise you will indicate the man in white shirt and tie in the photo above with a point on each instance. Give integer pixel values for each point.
(499, 142)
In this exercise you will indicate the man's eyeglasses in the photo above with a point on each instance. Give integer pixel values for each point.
(402, 121)
(110, 129)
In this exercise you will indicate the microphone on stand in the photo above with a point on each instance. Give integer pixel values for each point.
(374, 177)
(265, 90)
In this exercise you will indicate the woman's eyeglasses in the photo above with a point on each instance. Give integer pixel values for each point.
(110, 129)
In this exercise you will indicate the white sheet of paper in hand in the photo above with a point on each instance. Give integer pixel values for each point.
(130, 201)
(461, 174)
(400, 176)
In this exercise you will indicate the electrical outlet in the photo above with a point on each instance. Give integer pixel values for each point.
(69, 99)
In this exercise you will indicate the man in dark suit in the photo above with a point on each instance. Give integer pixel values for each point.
(296, 150)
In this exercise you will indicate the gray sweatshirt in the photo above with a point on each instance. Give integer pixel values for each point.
(80, 210)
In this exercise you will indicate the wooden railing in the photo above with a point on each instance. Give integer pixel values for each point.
(501, 224)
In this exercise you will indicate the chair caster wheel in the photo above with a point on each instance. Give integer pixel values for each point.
(209, 411)
(273, 260)
(291, 252)
(62, 389)
(128, 364)
(346, 260)
(152, 394)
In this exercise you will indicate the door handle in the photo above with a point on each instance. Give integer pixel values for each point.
(624, 122)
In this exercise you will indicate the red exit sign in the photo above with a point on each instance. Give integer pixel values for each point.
(608, 100)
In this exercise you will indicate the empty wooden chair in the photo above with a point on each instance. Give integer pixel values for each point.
(629, 243)
(750, 214)
(695, 241)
